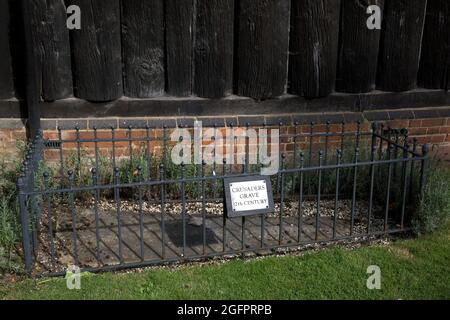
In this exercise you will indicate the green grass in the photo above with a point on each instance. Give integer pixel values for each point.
(410, 269)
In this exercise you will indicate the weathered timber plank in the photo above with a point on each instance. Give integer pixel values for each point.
(358, 49)
(213, 52)
(6, 75)
(401, 38)
(313, 47)
(179, 46)
(434, 71)
(52, 46)
(96, 51)
(143, 47)
(263, 48)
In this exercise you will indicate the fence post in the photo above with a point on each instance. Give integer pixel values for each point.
(424, 168)
(25, 221)
(411, 174)
(404, 177)
(373, 141)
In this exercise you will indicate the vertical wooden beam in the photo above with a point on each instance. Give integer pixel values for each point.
(213, 52)
(143, 47)
(263, 47)
(96, 51)
(314, 47)
(401, 38)
(6, 75)
(52, 45)
(434, 71)
(32, 77)
(358, 49)
(179, 46)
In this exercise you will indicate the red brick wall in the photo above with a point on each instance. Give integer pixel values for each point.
(423, 125)
(10, 140)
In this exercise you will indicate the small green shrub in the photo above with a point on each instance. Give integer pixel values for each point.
(9, 231)
(434, 207)
(9, 210)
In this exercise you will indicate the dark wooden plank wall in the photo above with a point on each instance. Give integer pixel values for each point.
(263, 42)
(179, 40)
(52, 45)
(6, 75)
(434, 72)
(314, 47)
(215, 48)
(143, 48)
(358, 48)
(400, 45)
(97, 51)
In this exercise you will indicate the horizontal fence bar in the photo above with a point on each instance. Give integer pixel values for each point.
(144, 139)
(218, 177)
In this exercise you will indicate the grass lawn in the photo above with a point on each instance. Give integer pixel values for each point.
(410, 269)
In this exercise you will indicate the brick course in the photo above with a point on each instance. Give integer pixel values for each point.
(422, 124)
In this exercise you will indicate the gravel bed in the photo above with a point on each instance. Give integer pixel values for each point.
(291, 208)
(85, 218)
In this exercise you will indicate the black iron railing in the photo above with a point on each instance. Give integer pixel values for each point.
(104, 200)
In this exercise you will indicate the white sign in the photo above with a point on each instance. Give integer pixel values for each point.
(249, 195)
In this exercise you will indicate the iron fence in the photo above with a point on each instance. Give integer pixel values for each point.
(104, 200)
